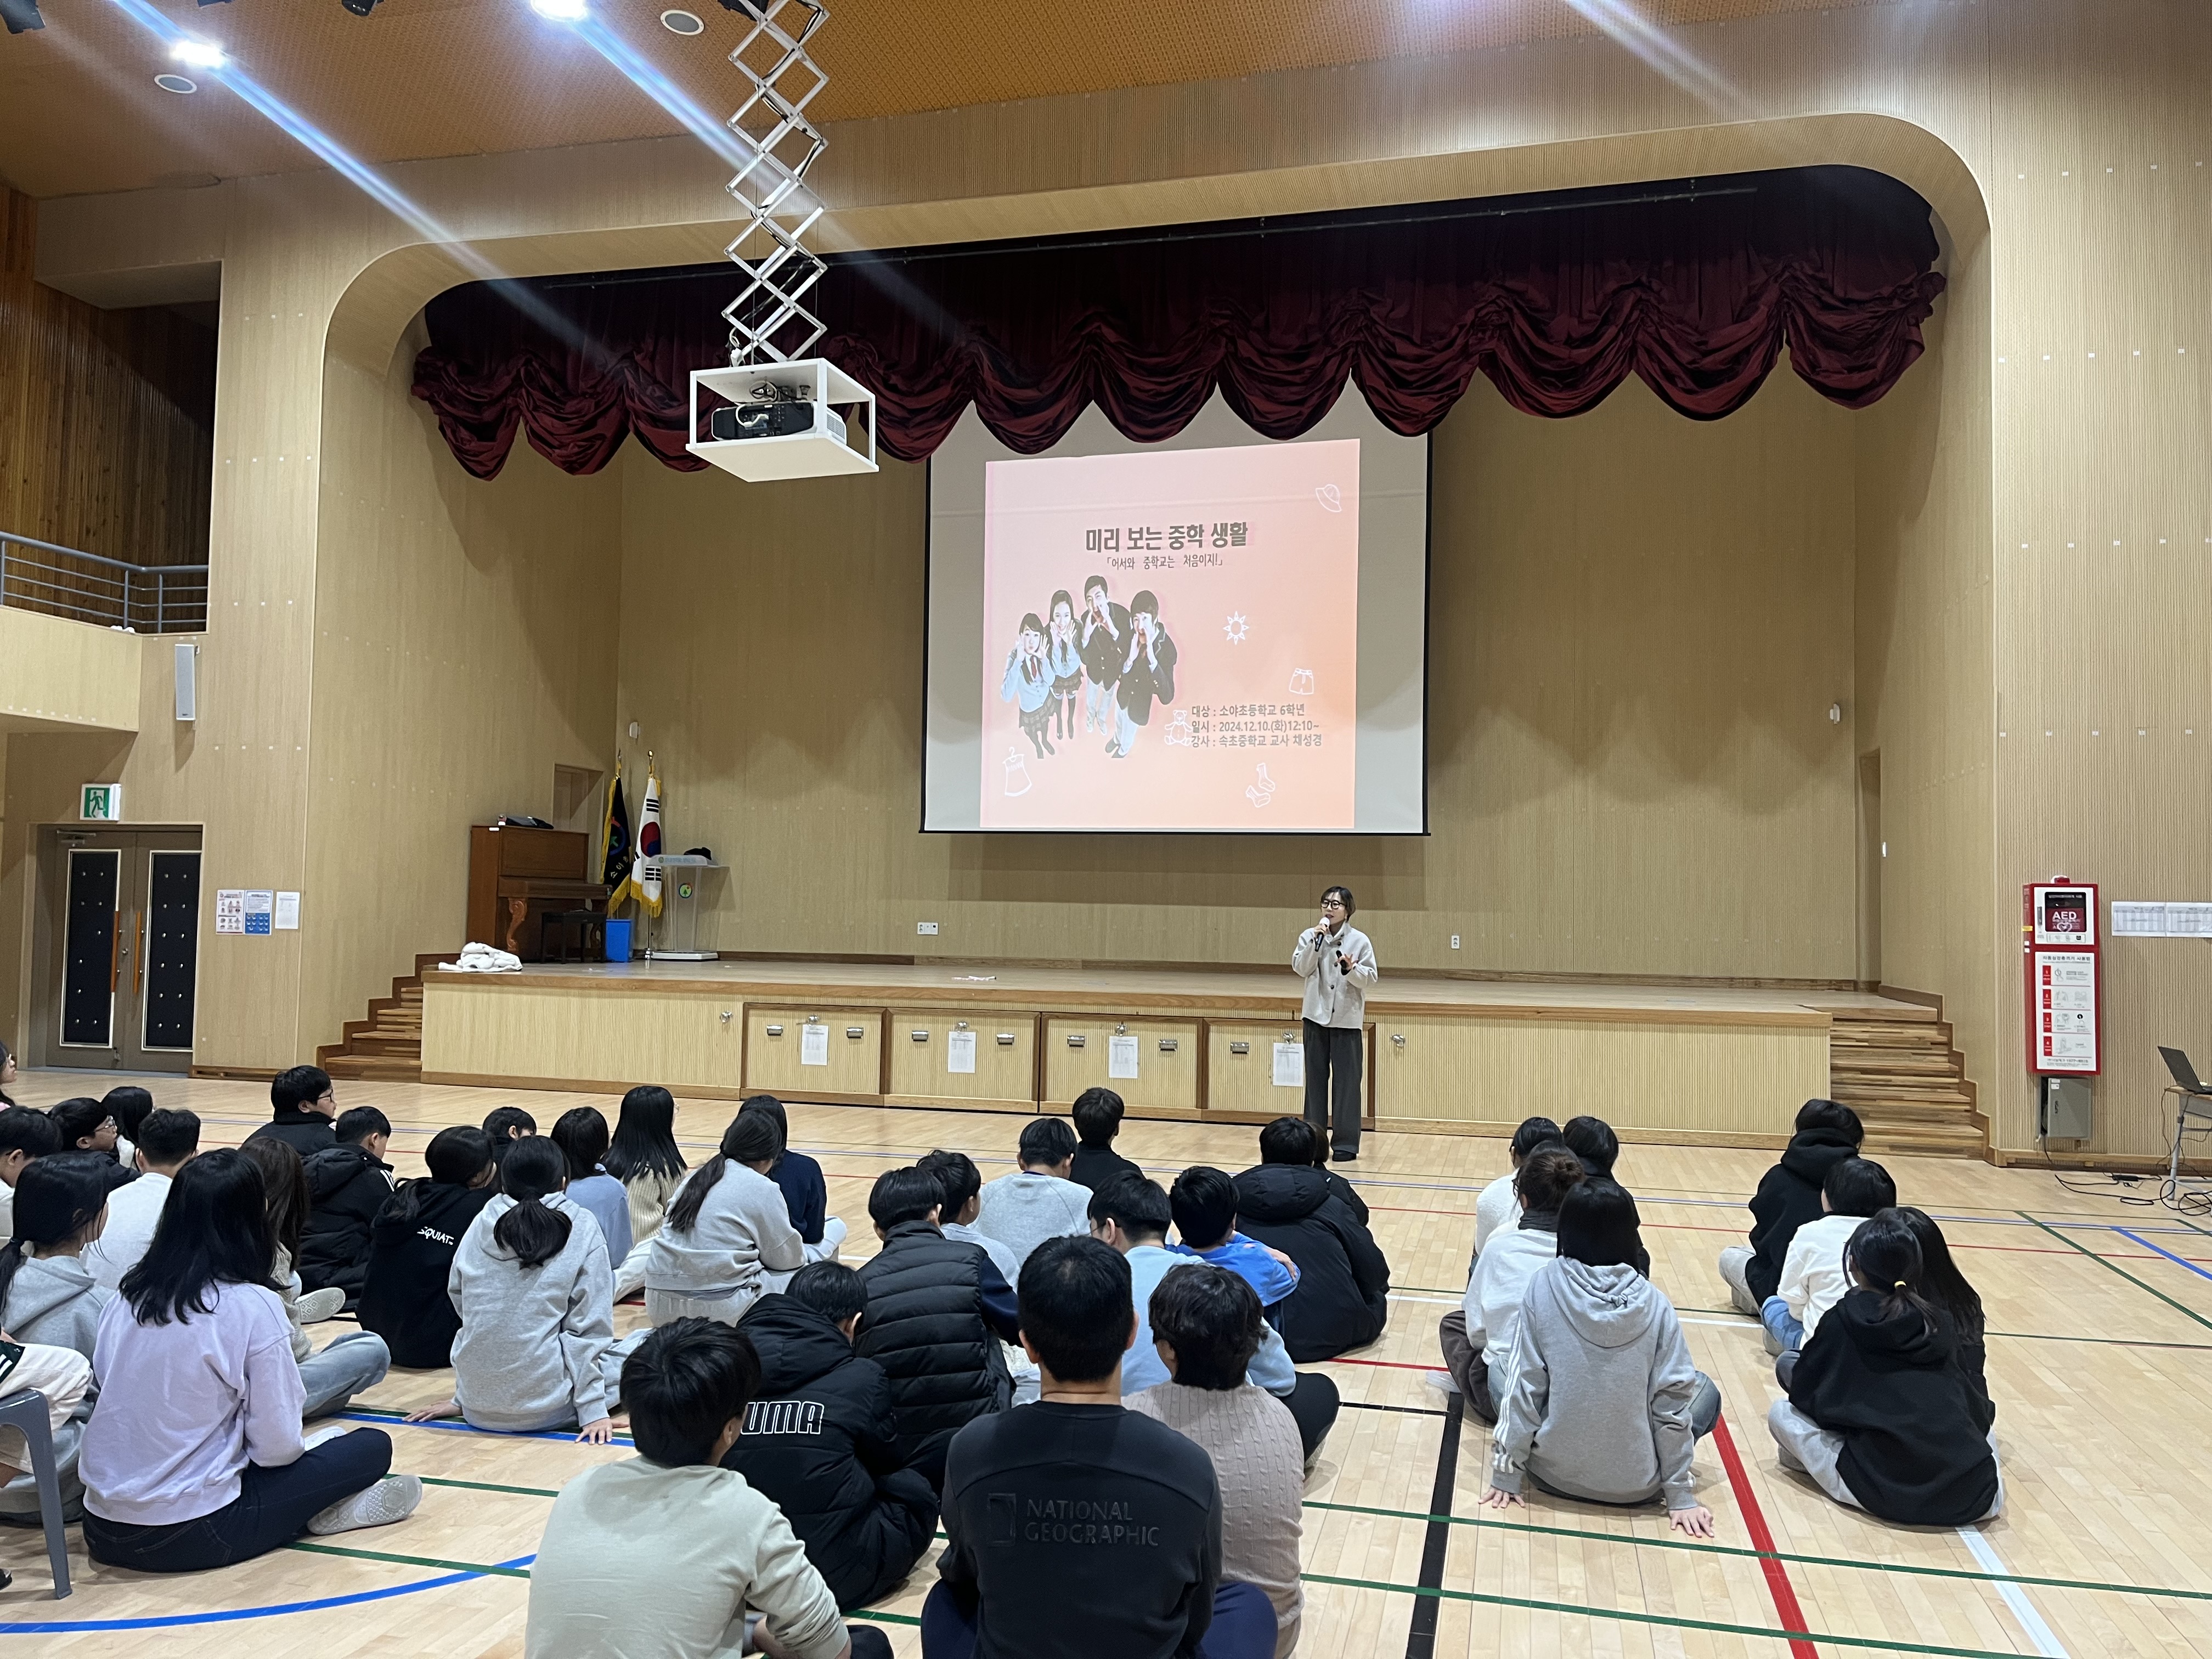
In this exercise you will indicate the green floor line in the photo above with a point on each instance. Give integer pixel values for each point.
(865, 1616)
(2179, 1308)
(1671, 1621)
(1765, 1555)
(410, 1560)
(490, 1485)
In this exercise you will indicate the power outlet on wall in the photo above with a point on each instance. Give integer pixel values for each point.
(1454, 941)
(926, 927)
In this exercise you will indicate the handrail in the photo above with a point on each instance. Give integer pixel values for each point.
(169, 598)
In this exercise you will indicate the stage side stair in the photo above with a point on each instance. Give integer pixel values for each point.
(1895, 1066)
(387, 1046)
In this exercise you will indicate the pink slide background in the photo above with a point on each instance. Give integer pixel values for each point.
(1261, 732)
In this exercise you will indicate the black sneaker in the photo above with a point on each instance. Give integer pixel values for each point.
(1343, 1158)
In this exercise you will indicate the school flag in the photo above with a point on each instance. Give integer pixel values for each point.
(614, 840)
(645, 874)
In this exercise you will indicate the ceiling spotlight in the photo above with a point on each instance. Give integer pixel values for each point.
(21, 15)
(682, 22)
(176, 83)
(200, 54)
(561, 11)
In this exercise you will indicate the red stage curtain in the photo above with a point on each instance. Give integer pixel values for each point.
(1694, 286)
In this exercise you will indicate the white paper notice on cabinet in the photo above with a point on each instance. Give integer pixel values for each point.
(1289, 1065)
(960, 1052)
(814, 1045)
(1120, 1057)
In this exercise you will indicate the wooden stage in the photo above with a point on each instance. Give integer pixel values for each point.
(1700, 1065)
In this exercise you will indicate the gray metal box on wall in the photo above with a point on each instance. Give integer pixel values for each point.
(2069, 1109)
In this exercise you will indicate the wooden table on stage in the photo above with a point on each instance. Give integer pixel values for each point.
(517, 875)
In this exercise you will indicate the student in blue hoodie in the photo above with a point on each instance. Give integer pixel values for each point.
(1204, 1203)
(1028, 682)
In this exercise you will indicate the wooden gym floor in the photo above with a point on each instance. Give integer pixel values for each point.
(2100, 1317)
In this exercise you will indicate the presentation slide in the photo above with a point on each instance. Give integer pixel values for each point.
(1202, 637)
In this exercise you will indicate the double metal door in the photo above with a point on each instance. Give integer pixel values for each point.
(129, 951)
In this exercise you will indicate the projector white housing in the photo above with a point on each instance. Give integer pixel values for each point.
(826, 449)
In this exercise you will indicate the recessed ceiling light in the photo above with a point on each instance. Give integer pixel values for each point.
(561, 11)
(677, 21)
(175, 83)
(200, 54)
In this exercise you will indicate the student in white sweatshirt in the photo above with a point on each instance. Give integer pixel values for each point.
(1478, 1341)
(1814, 1277)
(168, 1139)
(530, 1280)
(1499, 1205)
(728, 1229)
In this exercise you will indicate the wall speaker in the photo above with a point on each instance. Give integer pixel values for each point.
(188, 682)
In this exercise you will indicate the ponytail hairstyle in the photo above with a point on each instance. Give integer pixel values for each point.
(455, 1158)
(751, 1138)
(533, 1167)
(284, 1190)
(645, 1137)
(57, 1198)
(1884, 1255)
(1940, 1278)
(774, 1107)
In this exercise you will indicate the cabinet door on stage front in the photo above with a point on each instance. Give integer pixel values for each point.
(1245, 1082)
(816, 1053)
(951, 1057)
(1081, 1054)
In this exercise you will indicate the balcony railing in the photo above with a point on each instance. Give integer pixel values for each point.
(60, 581)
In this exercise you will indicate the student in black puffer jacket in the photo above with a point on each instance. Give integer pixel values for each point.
(937, 1311)
(1789, 1196)
(347, 1185)
(820, 1441)
(1342, 1299)
(411, 1253)
(1880, 1414)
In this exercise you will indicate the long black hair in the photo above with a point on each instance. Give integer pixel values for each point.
(214, 1229)
(284, 1190)
(644, 1136)
(57, 1198)
(455, 1158)
(1941, 1281)
(751, 1138)
(1885, 1252)
(774, 1107)
(581, 1135)
(533, 1167)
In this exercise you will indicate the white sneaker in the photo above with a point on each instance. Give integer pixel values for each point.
(1440, 1381)
(322, 1432)
(318, 1305)
(393, 1498)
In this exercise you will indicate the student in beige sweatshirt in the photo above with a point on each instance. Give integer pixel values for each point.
(661, 1556)
(1206, 1324)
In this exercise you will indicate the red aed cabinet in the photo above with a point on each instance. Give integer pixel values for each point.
(2065, 978)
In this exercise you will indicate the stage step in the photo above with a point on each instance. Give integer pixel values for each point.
(387, 1046)
(1895, 1067)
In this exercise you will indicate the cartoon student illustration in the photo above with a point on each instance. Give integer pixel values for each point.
(1029, 682)
(1105, 634)
(1066, 658)
(1147, 673)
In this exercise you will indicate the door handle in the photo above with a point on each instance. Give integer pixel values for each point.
(115, 954)
(142, 924)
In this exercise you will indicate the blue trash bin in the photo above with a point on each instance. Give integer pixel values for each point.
(618, 941)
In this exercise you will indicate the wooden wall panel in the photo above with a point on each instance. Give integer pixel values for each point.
(599, 1043)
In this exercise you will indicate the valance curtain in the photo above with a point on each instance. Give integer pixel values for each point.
(1694, 286)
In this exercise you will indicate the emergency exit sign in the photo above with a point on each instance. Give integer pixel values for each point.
(100, 803)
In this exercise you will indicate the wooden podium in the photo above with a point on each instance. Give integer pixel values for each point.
(517, 875)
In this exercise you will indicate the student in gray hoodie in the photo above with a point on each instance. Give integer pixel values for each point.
(728, 1238)
(530, 1280)
(1605, 1405)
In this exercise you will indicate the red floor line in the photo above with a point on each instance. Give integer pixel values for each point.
(1754, 1520)
(1383, 1364)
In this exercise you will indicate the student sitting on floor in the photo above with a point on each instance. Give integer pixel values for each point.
(962, 1186)
(1880, 1413)
(1605, 1405)
(667, 1555)
(193, 1458)
(728, 1230)
(1098, 1115)
(821, 1443)
(1204, 1203)
(301, 1104)
(347, 1185)
(1206, 1323)
(529, 1281)
(1477, 1337)
(47, 1293)
(1593, 1141)
(1789, 1196)
(410, 1252)
(581, 1135)
(349, 1363)
(506, 1125)
(1026, 1492)
(1813, 1276)
(1947, 1288)
(26, 1135)
(1342, 1300)
(167, 1140)
(1499, 1205)
(1132, 1216)
(1038, 1202)
(936, 1312)
(128, 1104)
(85, 1125)
(645, 1158)
(805, 1193)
